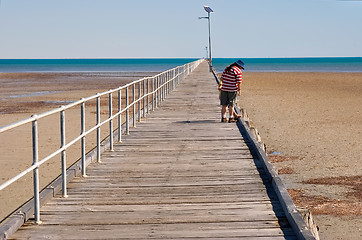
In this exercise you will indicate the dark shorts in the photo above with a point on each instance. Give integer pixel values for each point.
(227, 98)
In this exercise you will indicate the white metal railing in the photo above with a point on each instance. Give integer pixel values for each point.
(151, 91)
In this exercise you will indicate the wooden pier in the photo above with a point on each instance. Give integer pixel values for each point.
(180, 174)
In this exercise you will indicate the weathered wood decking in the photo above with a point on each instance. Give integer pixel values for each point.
(180, 174)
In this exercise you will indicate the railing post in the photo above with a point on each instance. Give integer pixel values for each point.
(178, 76)
(173, 79)
(127, 111)
(64, 158)
(156, 90)
(148, 96)
(98, 129)
(167, 78)
(143, 98)
(82, 125)
(36, 170)
(182, 72)
(161, 88)
(153, 93)
(139, 101)
(119, 116)
(170, 82)
(134, 104)
(110, 104)
(163, 82)
(164, 86)
(167, 82)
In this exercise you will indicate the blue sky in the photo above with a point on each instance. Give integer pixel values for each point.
(171, 28)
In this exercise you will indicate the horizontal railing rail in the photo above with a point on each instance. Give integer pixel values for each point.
(151, 91)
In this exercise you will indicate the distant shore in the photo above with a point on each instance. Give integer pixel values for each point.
(310, 122)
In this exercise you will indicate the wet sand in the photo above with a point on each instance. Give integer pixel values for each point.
(310, 122)
(312, 125)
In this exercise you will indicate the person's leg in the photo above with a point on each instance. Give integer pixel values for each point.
(232, 114)
(223, 113)
(236, 116)
(223, 103)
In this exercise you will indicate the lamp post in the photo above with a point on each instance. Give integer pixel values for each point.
(208, 10)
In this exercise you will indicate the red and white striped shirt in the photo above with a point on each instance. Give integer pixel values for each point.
(231, 79)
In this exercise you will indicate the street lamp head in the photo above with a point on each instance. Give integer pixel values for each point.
(208, 9)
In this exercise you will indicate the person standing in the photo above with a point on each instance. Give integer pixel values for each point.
(230, 86)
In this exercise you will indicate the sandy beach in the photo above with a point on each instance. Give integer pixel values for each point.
(310, 122)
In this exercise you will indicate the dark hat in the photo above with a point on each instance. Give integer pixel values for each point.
(240, 63)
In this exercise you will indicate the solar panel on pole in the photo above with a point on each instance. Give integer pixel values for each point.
(208, 9)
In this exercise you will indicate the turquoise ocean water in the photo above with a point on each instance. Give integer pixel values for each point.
(329, 64)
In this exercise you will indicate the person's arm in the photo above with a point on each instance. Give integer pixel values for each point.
(239, 79)
(239, 89)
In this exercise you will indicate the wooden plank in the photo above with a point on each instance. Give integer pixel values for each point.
(163, 231)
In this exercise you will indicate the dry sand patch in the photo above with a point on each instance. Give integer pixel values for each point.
(314, 121)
